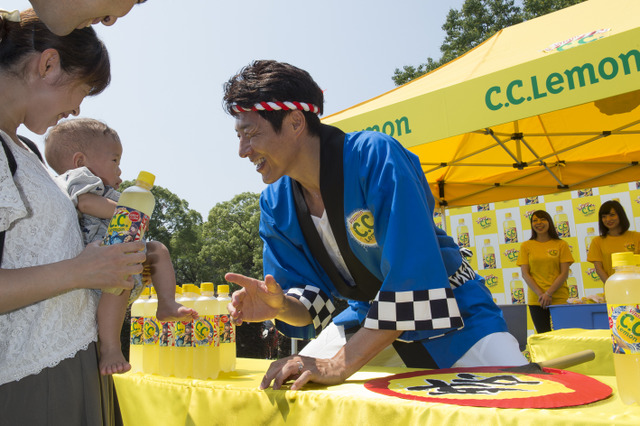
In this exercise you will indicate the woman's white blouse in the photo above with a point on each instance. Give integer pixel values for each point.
(41, 227)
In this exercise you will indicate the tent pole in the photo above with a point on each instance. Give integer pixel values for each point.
(444, 219)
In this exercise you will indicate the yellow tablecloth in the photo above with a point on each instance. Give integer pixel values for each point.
(566, 341)
(235, 400)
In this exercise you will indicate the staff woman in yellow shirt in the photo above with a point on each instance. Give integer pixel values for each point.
(615, 237)
(544, 260)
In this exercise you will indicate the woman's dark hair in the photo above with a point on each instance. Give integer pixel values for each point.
(606, 208)
(541, 214)
(82, 55)
(272, 81)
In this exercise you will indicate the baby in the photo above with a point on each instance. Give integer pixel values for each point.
(86, 155)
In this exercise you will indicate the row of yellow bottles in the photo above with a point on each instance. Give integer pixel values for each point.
(622, 291)
(200, 348)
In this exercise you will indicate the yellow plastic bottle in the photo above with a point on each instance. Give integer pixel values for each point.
(488, 255)
(227, 331)
(133, 212)
(510, 230)
(590, 236)
(622, 291)
(562, 223)
(572, 284)
(463, 234)
(166, 352)
(137, 331)
(184, 335)
(150, 361)
(517, 289)
(206, 359)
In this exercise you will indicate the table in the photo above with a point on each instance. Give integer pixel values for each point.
(235, 399)
(566, 341)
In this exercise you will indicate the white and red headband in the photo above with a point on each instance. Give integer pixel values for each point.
(277, 106)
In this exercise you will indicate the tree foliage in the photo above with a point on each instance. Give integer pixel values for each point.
(475, 22)
(231, 242)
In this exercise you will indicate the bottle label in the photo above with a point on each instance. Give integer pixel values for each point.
(510, 235)
(563, 229)
(167, 337)
(151, 331)
(137, 326)
(216, 330)
(624, 322)
(126, 225)
(517, 296)
(183, 333)
(489, 260)
(227, 334)
(203, 331)
(573, 290)
(463, 239)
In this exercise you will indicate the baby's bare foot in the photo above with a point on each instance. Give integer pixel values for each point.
(112, 361)
(174, 311)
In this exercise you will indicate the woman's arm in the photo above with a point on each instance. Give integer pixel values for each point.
(533, 285)
(546, 298)
(95, 267)
(600, 271)
(360, 349)
(97, 206)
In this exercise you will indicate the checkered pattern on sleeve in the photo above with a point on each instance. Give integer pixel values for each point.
(414, 310)
(316, 301)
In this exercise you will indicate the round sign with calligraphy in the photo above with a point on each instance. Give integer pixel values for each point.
(493, 387)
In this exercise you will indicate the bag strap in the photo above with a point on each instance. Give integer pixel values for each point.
(13, 167)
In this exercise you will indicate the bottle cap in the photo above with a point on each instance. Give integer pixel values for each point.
(223, 288)
(460, 221)
(195, 289)
(153, 291)
(515, 275)
(626, 258)
(487, 242)
(206, 287)
(590, 230)
(187, 288)
(507, 215)
(178, 289)
(558, 208)
(145, 292)
(146, 177)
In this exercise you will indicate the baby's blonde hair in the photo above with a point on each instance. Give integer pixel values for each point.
(71, 136)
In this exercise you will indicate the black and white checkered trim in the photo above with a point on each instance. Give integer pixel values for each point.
(464, 273)
(316, 301)
(414, 310)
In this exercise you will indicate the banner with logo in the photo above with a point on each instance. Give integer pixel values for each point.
(494, 232)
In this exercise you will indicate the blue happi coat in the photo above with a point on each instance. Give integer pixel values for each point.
(418, 280)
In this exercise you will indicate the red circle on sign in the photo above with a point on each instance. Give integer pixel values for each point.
(134, 216)
(582, 389)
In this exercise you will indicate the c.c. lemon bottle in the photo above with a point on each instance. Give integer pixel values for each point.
(151, 335)
(206, 358)
(622, 291)
(133, 212)
(136, 340)
(227, 332)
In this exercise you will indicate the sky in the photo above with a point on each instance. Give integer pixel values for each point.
(170, 59)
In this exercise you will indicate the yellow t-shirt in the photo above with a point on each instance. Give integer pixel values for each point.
(601, 248)
(544, 261)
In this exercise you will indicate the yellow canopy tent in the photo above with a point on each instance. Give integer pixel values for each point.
(543, 106)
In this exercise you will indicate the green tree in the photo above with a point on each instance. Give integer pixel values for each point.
(474, 23)
(231, 242)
